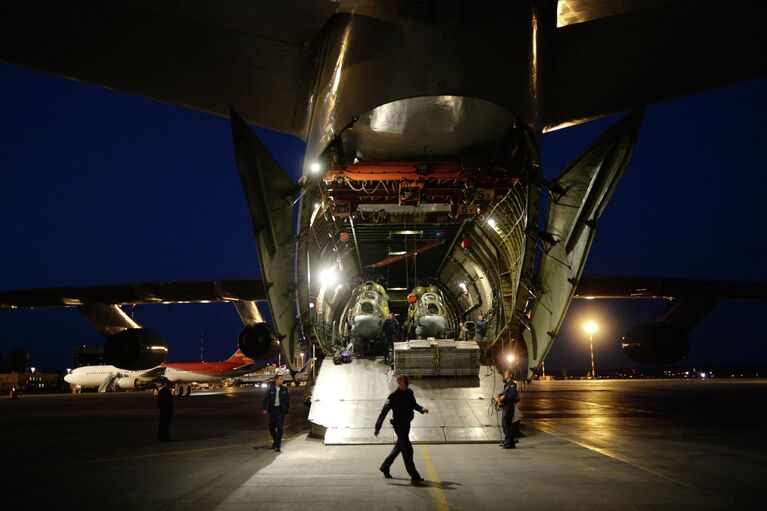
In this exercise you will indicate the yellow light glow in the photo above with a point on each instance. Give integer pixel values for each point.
(590, 327)
(510, 358)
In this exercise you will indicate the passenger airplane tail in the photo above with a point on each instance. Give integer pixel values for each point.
(239, 356)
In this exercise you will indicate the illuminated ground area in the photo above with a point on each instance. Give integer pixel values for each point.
(590, 445)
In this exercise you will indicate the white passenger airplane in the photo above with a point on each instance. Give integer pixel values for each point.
(106, 377)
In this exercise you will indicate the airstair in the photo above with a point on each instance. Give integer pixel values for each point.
(108, 382)
(347, 399)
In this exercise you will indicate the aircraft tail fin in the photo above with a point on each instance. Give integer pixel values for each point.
(239, 356)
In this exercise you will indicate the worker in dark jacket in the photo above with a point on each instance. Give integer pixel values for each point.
(391, 335)
(402, 403)
(277, 405)
(480, 328)
(165, 404)
(509, 399)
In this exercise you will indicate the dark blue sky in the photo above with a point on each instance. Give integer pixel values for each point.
(99, 187)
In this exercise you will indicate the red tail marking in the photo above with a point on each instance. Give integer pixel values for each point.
(239, 357)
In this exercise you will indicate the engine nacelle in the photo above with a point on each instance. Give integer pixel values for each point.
(135, 348)
(258, 342)
(658, 342)
(129, 383)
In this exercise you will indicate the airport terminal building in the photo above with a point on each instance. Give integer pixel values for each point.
(29, 381)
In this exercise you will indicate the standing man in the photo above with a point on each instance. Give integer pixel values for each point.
(480, 328)
(509, 399)
(402, 403)
(165, 404)
(460, 332)
(391, 334)
(277, 406)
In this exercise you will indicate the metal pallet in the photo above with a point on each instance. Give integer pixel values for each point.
(436, 357)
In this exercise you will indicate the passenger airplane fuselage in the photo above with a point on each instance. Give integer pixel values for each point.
(103, 377)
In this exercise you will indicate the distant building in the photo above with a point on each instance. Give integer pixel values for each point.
(29, 381)
(87, 356)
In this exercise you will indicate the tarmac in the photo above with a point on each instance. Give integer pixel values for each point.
(607, 444)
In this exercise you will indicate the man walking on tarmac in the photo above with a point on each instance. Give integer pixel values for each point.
(277, 405)
(509, 399)
(402, 403)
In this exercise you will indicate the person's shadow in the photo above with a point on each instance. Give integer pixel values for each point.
(445, 485)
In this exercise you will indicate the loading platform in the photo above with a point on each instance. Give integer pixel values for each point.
(347, 399)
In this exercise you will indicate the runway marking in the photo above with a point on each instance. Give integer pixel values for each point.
(616, 457)
(623, 408)
(436, 491)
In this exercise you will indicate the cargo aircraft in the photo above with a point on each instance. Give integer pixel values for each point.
(422, 121)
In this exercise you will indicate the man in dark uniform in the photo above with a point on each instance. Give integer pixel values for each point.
(509, 398)
(277, 405)
(402, 403)
(391, 335)
(480, 328)
(165, 404)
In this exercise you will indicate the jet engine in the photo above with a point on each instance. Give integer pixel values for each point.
(129, 383)
(657, 342)
(258, 343)
(135, 348)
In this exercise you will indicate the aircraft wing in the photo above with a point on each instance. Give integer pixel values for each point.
(201, 55)
(249, 367)
(599, 286)
(152, 374)
(613, 55)
(689, 300)
(159, 292)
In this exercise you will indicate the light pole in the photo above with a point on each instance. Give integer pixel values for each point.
(591, 327)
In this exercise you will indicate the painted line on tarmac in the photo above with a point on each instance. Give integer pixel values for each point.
(436, 491)
(626, 409)
(609, 454)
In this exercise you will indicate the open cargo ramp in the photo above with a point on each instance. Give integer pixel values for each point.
(347, 399)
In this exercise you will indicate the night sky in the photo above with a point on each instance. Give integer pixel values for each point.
(99, 187)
